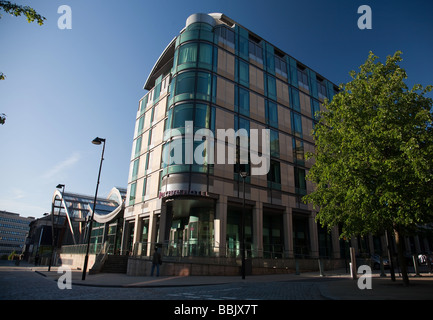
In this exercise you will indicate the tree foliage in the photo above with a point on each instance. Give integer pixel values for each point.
(18, 10)
(373, 162)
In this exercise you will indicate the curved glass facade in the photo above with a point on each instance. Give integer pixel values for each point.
(192, 91)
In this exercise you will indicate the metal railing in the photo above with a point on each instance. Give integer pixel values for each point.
(208, 252)
(81, 249)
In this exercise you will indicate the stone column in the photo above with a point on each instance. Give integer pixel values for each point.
(288, 232)
(314, 239)
(258, 229)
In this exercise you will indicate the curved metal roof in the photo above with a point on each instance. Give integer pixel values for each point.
(78, 207)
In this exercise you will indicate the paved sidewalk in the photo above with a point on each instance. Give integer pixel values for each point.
(335, 285)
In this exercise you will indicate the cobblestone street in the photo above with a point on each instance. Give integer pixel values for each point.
(18, 283)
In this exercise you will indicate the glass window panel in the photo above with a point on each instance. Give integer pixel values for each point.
(140, 125)
(185, 85)
(185, 82)
(204, 86)
(157, 92)
(202, 116)
(296, 104)
(132, 193)
(255, 52)
(244, 101)
(135, 169)
(182, 113)
(274, 175)
(143, 103)
(298, 150)
(205, 56)
(242, 123)
(297, 124)
(280, 66)
(275, 144)
(138, 146)
(315, 108)
(272, 87)
(270, 58)
(272, 114)
(187, 57)
(300, 183)
(303, 79)
(244, 73)
(144, 187)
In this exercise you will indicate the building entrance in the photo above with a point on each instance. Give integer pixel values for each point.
(191, 227)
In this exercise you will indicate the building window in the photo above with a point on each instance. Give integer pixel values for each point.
(205, 56)
(144, 188)
(243, 73)
(242, 101)
(280, 66)
(296, 124)
(321, 88)
(132, 193)
(156, 92)
(303, 78)
(242, 123)
(298, 151)
(143, 104)
(226, 36)
(201, 115)
(137, 146)
(271, 114)
(271, 87)
(187, 57)
(204, 85)
(185, 83)
(315, 109)
(135, 169)
(255, 52)
(140, 125)
(275, 144)
(295, 102)
(300, 183)
(193, 85)
(274, 175)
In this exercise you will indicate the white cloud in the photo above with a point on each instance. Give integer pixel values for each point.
(62, 166)
(17, 193)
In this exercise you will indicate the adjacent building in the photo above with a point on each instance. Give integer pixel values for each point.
(66, 228)
(13, 232)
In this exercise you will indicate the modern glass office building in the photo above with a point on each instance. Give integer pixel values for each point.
(214, 75)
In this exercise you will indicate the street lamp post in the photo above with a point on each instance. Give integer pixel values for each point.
(243, 175)
(52, 227)
(96, 141)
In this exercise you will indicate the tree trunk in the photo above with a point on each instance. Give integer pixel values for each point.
(400, 248)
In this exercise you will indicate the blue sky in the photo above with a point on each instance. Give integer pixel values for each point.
(65, 87)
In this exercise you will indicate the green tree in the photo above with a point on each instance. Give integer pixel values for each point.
(17, 10)
(373, 167)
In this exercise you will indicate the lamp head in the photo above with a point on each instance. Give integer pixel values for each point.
(98, 140)
(243, 174)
